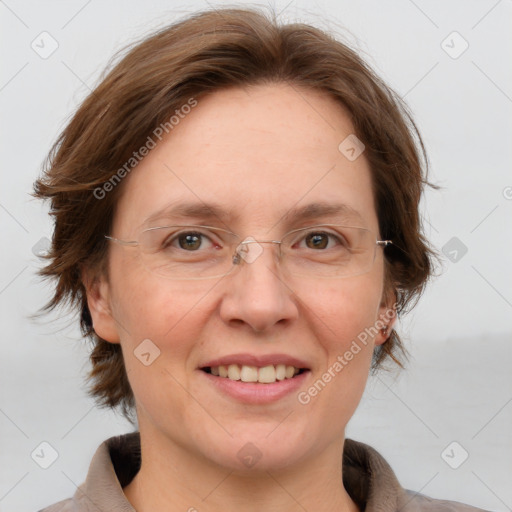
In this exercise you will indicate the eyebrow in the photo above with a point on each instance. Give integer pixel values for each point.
(206, 212)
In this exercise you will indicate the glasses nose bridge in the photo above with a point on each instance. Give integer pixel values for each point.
(241, 253)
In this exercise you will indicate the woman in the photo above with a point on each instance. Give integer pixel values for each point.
(236, 219)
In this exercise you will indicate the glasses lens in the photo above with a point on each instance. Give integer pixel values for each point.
(187, 252)
(329, 251)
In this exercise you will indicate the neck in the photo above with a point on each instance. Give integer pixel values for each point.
(172, 479)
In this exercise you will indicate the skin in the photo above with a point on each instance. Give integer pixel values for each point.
(257, 151)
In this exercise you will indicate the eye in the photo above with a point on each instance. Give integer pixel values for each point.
(190, 241)
(319, 240)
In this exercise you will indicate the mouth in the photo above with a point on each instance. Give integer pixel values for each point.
(256, 378)
(267, 374)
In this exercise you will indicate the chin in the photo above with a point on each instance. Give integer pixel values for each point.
(251, 460)
(260, 450)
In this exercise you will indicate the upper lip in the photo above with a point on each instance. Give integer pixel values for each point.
(253, 360)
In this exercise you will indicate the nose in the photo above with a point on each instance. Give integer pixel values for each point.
(256, 293)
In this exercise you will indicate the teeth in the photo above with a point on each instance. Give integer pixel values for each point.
(233, 372)
(267, 374)
(280, 372)
(264, 375)
(248, 373)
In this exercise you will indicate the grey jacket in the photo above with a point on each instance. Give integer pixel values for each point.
(367, 477)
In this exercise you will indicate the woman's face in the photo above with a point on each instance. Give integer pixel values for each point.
(258, 154)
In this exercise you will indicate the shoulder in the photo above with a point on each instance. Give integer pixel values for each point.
(61, 506)
(374, 486)
(114, 464)
(421, 503)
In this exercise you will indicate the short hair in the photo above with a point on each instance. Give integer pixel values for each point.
(206, 52)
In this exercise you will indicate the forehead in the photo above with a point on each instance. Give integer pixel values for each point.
(254, 156)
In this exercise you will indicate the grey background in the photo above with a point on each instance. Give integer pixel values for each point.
(458, 384)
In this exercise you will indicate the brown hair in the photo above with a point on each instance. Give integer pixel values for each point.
(206, 52)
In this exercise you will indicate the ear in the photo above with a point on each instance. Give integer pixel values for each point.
(387, 317)
(99, 303)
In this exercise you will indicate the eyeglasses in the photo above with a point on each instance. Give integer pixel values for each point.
(190, 252)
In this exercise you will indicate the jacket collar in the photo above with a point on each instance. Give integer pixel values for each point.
(367, 477)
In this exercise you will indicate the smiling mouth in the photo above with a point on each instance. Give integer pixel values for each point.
(263, 375)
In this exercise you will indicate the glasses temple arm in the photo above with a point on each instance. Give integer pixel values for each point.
(122, 242)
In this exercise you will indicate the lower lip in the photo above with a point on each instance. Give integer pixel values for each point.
(255, 392)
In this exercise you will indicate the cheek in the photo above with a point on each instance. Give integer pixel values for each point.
(342, 314)
(160, 328)
(345, 308)
(344, 317)
(147, 306)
